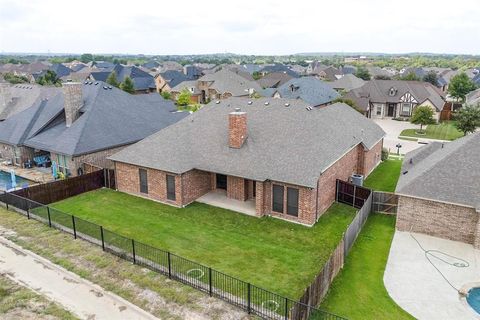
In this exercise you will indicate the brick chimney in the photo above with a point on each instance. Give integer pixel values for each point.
(73, 96)
(237, 128)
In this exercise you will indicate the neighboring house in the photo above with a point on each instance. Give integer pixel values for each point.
(311, 90)
(170, 65)
(347, 82)
(476, 79)
(274, 79)
(439, 190)
(101, 65)
(278, 68)
(224, 84)
(327, 73)
(151, 65)
(60, 70)
(396, 98)
(191, 86)
(18, 97)
(473, 98)
(84, 124)
(348, 69)
(192, 72)
(240, 70)
(26, 70)
(143, 82)
(375, 71)
(276, 156)
(166, 81)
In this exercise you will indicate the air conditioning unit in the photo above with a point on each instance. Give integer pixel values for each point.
(357, 179)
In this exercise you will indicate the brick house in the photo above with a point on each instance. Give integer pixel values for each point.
(86, 123)
(274, 157)
(439, 190)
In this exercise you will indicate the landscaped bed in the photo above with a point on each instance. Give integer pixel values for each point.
(270, 253)
(385, 176)
(358, 291)
(443, 131)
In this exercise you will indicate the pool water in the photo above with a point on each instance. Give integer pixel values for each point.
(6, 181)
(473, 299)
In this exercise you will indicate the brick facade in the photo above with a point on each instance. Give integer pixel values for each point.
(438, 219)
(312, 202)
(18, 155)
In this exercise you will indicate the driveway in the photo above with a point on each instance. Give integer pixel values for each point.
(393, 129)
(416, 286)
(81, 297)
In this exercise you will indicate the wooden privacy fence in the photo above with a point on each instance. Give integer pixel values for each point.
(385, 202)
(357, 197)
(62, 189)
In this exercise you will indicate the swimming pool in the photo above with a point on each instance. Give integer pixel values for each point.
(6, 181)
(473, 299)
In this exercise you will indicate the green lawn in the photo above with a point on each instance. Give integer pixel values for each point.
(443, 131)
(358, 291)
(273, 254)
(385, 176)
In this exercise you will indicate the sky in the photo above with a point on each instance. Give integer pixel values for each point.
(261, 27)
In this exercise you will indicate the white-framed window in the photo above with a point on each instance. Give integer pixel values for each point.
(406, 108)
(379, 110)
(192, 89)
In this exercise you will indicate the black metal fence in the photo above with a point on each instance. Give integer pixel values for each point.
(252, 299)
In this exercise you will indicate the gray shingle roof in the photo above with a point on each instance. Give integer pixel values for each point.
(309, 89)
(174, 77)
(347, 83)
(378, 91)
(109, 118)
(450, 173)
(226, 80)
(287, 144)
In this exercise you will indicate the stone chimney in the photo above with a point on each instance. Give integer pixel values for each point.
(73, 96)
(237, 128)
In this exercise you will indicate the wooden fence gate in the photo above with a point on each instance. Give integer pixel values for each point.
(385, 202)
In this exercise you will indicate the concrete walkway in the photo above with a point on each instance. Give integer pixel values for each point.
(419, 288)
(81, 297)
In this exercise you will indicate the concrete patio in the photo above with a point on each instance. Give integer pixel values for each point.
(218, 198)
(417, 287)
(38, 175)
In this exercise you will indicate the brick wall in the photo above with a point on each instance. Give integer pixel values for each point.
(342, 170)
(372, 158)
(437, 219)
(306, 202)
(236, 188)
(195, 184)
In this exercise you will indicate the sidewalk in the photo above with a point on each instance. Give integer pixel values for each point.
(83, 298)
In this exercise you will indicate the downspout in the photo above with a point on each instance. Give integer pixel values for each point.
(316, 199)
(116, 174)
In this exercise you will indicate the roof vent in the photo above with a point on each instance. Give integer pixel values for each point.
(217, 102)
(309, 108)
(86, 82)
(287, 104)
(237, 109)
(105, 87)
(249, 102)
(96, 83)
(110, 87)
(267, 103)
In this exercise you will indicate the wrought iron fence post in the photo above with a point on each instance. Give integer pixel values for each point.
(6, 198)
(286, 308)
(249, 297)
(210, 289)
(169, 265)
(28, 209)
(133, 252)
(103, 241)
(74, 227)
(49, 219)
(354, 194)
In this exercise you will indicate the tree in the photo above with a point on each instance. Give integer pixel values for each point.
(468, 119)
(431, 77)
(382, 77)
(166, 95)
(348, 102)
(127, 85)
(256, 75)
(112, 79)
(14, 79)
(49, 78)
(460, 85)
(422, 115)
(86, 57)
(363, 73)
(411, 76)
(184, 98)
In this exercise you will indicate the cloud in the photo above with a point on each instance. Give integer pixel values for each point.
(247, 26)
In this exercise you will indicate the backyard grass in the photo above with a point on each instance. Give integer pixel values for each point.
(443, 131)
(280, 256)
(385, 176)
(358, 291)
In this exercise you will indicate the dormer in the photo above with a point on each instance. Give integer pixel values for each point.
(392, 92)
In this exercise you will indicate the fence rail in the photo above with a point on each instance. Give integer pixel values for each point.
(385, 202)
(252, 299)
